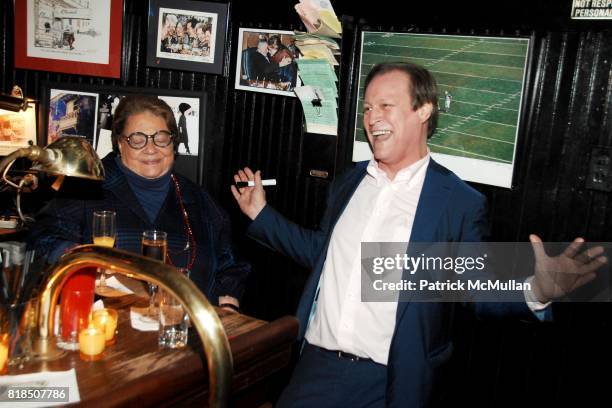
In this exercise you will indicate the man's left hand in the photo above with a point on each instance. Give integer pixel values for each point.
(557, 276)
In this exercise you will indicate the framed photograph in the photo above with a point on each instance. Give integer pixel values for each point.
(17, 129)
(78, 37)
(187, 35)
(71, 113)
(87, 111)
(481, 90)
(266, 61)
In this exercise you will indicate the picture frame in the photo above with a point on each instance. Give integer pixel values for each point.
(71, 112)
(69, 39)
(187, 35)
(482, 85)
(17, 129)
(255, 72)
(87, 111)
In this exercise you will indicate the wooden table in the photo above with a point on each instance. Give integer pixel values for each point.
(134, 372)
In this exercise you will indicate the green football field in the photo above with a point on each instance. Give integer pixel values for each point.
(484, 77)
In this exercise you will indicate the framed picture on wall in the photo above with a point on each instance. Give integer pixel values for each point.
(187, 35)
(78, 37)
(266, 61)
(482, 83)
(17, 129)
(71, 113)
(87, 111)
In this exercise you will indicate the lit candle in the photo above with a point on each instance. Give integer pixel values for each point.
(4, 353)
(106, 320)
(91, 343)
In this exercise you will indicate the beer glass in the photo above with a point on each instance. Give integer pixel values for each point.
(154, 245)
(104, 231)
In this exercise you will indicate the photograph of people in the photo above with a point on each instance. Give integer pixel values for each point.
(186, 36)
(266, 63)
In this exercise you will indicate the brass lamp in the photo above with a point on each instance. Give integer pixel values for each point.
(67, 156)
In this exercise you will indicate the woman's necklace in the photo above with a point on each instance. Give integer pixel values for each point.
(191, 244)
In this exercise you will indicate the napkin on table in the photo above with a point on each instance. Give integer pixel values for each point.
(119, 289)
(140, 323)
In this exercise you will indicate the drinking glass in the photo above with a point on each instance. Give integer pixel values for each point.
(74, 316)
(173, 319)
(77, 298)
(15, 347)
(104, 232)
(154, 245)
(173, 322)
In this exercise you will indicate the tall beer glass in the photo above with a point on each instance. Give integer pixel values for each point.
(154, 245)
(104, 232)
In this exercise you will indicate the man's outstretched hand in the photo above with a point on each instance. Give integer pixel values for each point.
(557, 276)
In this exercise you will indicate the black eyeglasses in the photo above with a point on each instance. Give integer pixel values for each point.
(139, 140)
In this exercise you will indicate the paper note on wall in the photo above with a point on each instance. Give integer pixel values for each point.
(320, 114)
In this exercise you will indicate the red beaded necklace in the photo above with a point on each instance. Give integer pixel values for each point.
(191, 243)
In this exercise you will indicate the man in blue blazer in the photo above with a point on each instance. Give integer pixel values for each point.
(388, 353)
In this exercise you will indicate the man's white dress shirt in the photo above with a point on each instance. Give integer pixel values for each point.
(380, 210)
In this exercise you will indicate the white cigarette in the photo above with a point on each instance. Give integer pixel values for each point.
(251, 183)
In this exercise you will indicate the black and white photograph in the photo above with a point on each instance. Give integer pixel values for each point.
(267, 61)
(107, 103)
(72, 113)
(187, 115)
(70, 30)
(76, 36)
(185, 34)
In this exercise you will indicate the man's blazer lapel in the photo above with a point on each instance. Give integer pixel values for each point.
(432, 203)
(434, 199)
(340, 196)
(345, 192)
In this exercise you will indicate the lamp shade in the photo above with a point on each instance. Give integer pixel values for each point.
(70, 156)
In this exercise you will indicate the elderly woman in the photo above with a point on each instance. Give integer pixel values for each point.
(146, 193)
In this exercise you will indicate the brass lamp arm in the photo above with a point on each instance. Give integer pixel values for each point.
(34, 153)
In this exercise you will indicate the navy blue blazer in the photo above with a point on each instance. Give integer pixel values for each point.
(449, 210)
(67, 220)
